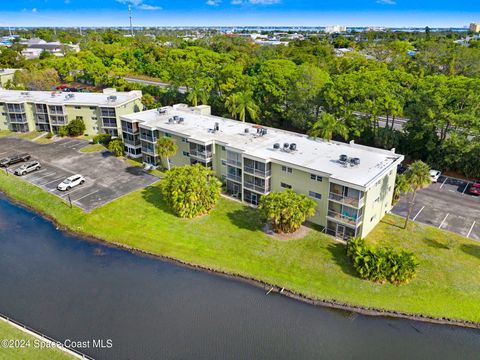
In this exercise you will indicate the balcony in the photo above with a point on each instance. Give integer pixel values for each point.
(234, 177)
(353, 220)
(135, 143)
(252, 186)
(56, 112)
(257, 172)
(201, 154)
(149, 138)
(129, 130)
(346, 200)
(18, 120)
(148, 151)
(235, 163)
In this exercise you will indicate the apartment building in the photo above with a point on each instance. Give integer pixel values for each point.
(6, 75)
(475, 27)
(352, 184)
(49, 111)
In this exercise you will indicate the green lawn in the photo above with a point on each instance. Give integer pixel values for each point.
(10, 332)
(138, 162)
(27, 135)
(5, 133)
(229, 239)
(92, 148)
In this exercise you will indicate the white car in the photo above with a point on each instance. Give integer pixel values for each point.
(28, 167)
(71, 182)
(434, 175)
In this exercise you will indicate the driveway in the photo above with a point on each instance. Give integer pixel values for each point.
(107, 178)
(445, 205)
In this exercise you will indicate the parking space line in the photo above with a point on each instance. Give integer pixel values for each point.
(80, 198)
(444, 219)
(444, 181)
(423, 207)
(471, 228)
(52, 181)
(74, 191)
(466, 186)
(34, 172)
(44, 176)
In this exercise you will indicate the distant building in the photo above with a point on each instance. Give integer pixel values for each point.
(475, 27)
(36, 46)
(335, 29)
(6, 75)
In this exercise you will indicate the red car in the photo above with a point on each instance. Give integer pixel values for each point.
(474, 189)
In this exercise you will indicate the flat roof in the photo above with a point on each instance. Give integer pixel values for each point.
(69, 98)
(316, 155)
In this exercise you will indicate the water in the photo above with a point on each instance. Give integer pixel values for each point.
(69, 288)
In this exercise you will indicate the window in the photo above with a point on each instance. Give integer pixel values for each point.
(316, 177)
(285, 186)
(93, 108)
(223, 148)
(183, 139)
(94, 118)
(78, 107)
(224, 162)
(315, 195)
(185, 153)
(168, 135)
(79, 118)
(287, 169)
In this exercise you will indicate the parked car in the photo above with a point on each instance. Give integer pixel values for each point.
(10, 160)
(27, 168)
(71, 182)
(474, 189)
(434, 175)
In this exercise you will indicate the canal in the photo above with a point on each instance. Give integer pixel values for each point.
(71, 288)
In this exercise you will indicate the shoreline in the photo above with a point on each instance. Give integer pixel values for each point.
(271, 288)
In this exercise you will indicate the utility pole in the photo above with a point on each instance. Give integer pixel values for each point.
(130, 17)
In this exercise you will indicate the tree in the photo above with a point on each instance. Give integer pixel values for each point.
(116, 147)
(149, 101)
(286, 210)
(418, 176)
(191, 191)
(166, 147)
(241, 103)
(401, 186)
(37, 79)
(76, 127)
(327, 126)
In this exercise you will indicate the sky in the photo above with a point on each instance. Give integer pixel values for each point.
(388, 13)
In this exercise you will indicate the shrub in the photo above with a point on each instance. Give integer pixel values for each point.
(286, 210)
(62, 131)
(116, 147)
(191, 190)
(103, 139)
(381, 264)
(49, 135)
(75, 127)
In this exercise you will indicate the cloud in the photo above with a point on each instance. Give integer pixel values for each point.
(214, 2)
(139, 4)
(256, 2)
(387, 2)
(34, 10)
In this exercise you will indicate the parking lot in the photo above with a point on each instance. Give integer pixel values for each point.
(446, 205)
(107, 177)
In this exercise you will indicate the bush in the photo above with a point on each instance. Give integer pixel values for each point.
(75, 127)
(286, 210)
(116, 147)
(381, 264)
(103, 139)
(49, 135)
(62, 131)
(191, 190)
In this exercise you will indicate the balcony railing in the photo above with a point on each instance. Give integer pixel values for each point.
(253, 171)
(236, 163)
(148, 150)
(354, 220)
(261, 189)
(56, 112)
(132, 142)
(58, 122)
(233, 177)
(148, 138)
(201, 154)
(346, 200)
(110, 125)
(18, 120)
(129, 130)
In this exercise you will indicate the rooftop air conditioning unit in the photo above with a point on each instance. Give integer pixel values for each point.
(181, 120)
(355, 161)
(286, 146)
(171, 121)
(161, 110)
(246, 131)
(293, 147)
(276, 146)
(343, 158)
(217, 126)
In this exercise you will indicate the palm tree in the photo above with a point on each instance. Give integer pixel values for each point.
(401, 186)
(327, 126)
(166, 147)
(241, 103)
(418, 176)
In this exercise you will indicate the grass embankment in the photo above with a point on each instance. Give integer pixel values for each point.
(93, 148)
(230, 239)
(4, 133)
(10, 332)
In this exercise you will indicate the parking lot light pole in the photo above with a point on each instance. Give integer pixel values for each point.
(69, 200)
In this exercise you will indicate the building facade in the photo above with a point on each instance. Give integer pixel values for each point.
(475, 27)
(352, 184)
(25, 111)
